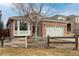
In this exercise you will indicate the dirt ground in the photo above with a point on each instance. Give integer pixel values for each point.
(37, 52)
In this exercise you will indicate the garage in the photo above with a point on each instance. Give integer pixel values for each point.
(55, 31)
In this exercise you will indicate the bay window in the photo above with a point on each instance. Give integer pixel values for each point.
(22, 28)
(23, 25)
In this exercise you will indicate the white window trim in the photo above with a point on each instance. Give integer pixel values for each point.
(77, 20)
(18, 29)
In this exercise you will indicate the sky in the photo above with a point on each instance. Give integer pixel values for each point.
(6, 12)
(60, 8)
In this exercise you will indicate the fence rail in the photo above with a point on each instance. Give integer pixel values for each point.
(38, 38)
(63, 42)
(75, 38)
(60, 37)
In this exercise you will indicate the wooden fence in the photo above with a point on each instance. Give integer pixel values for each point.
(3, 35)
(75, 38)
(2, 39)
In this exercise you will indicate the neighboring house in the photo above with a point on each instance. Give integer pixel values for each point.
(72, 23)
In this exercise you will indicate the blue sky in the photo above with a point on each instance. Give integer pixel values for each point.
(6, 12)
(60, 8)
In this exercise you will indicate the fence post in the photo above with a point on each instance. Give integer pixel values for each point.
(25, 42)
(48, 41)
(76, 42)
(2, 41)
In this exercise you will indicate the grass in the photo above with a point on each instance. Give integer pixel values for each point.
(37, 52)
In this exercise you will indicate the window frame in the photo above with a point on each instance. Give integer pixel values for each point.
(22, 28)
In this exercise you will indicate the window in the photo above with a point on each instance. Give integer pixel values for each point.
(23, 25)
(15, 25)
(60, 18)
(69, 27)
(77, 20)
(68, 19)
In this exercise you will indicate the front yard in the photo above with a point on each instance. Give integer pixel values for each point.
(40, 49)
(37, 52)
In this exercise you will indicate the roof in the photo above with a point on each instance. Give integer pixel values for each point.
(53, 20)
(59, 16)
(72, 16)
(24, 18)
(17, 17)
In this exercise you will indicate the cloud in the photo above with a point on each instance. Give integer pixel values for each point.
(6, 11)
(63, 9)
(5, 4)
(72, 9)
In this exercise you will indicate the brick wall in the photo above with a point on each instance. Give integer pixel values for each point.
(11, 28)
(50, 24)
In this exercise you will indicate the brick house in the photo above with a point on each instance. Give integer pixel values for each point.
(58, 25)
(45, 27)
(67, 24)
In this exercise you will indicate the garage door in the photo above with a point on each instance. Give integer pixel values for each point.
(55, 31)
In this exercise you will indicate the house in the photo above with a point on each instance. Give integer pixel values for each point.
(59, 25)
(19, 26)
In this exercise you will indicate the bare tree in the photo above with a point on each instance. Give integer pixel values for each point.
(36, 10)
